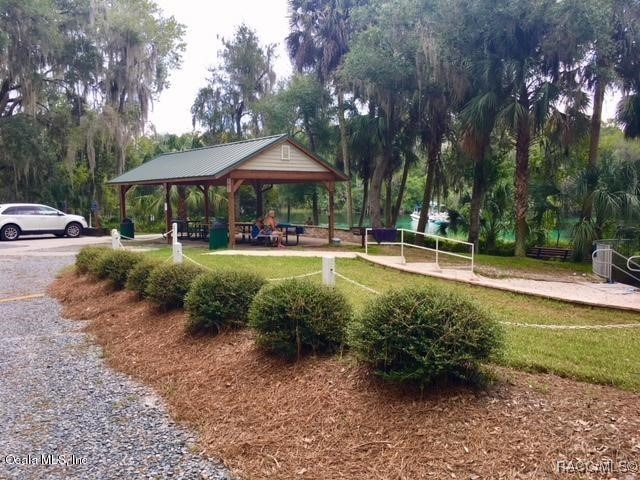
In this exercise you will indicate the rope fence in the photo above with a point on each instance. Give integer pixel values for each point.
(519, 324)
(295, 276)
(329, 274)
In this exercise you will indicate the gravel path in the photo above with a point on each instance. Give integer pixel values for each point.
(60, 404)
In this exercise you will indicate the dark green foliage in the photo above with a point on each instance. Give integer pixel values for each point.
(116, 265)
(295, 317)
(218, 299)
(168, 284)
(422, 335)
(138, 278)
(88, 259)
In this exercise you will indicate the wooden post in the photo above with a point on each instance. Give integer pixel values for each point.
(232, 188)
(331, 188)
(167, 209)
(205, 190)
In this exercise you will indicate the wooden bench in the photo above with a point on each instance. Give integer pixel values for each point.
(549, 253)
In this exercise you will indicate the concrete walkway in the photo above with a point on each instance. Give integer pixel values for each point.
(616, 295)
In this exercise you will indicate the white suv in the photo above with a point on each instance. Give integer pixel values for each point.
(28, 219)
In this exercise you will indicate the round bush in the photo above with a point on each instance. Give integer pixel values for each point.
(168, 284)
(296, 317)
(422, 335)
(116, 265)
(138, 278)
(221, 299)
(88, 258)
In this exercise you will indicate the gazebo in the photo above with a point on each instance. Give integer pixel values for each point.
(269, 160)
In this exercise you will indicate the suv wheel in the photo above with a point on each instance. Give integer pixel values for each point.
(10, 232)
(73, 230)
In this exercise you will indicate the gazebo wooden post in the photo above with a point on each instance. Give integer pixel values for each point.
(331, 188)
(205, 190)
(232, 188)
(167, 209)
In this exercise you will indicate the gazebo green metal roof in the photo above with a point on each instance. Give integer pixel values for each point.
(208, 162)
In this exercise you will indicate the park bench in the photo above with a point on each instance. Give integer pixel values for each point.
(378, 234)
(549, 253)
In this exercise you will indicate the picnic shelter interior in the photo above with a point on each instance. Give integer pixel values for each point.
(258, 162)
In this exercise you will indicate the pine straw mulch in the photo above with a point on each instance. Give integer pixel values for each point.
(326, 418)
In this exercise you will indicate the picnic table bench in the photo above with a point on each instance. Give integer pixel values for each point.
(287, 229)
(548, 253)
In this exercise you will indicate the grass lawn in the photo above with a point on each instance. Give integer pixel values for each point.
(599, 356)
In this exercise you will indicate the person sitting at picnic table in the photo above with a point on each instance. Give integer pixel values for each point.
(257, 228)
(271, 227)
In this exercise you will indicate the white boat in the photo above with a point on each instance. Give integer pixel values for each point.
(437, 213)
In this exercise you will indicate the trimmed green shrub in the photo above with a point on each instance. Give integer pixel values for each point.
(423, 335)
(116, 265)
(169, 283)
(220, 299)
(138, 278)
(88, 258)
(298, 316)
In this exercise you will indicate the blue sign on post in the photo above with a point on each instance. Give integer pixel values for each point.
(94, 206)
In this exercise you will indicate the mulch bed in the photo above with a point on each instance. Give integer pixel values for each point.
(327, 418)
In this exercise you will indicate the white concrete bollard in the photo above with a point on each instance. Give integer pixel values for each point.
(329, 271)
(177, 252)
(174, 233)
(175, 245)
(115, 239)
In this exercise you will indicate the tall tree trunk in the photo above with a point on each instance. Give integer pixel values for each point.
(523, 143)
(259, 199)
(15, 181)
(345, 153)
(387, 200)
(314, 206)
(310, 136)
(375, 192)
(365, 201)
(238, 119)
(433, 155)
(403, 184)
(594, 143)
(477, 199)
(182, 202)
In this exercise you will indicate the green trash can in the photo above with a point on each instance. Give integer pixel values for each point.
(218, 236)
(127, 228)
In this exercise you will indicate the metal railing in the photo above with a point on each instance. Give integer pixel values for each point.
(633, 261)
(603, 264)
(436, 238)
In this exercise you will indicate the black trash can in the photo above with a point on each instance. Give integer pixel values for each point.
(218, 236)
(127, 228)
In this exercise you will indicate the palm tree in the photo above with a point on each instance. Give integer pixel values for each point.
(321, 31)
(611, 50)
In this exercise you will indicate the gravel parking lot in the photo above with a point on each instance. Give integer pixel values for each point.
(63, 413)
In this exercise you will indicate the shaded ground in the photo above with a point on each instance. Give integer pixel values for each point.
(325, 418)
(63, 413)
